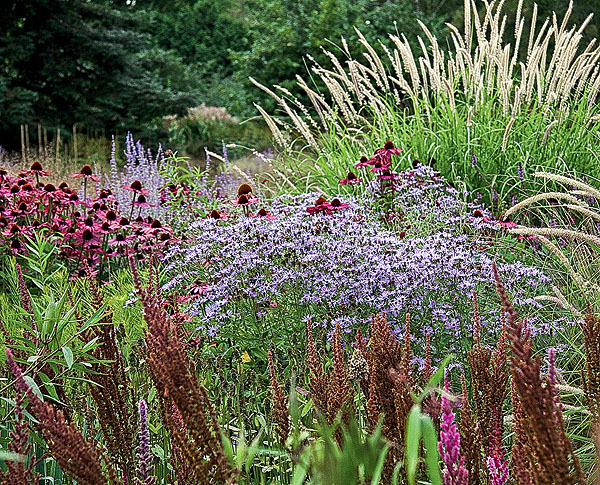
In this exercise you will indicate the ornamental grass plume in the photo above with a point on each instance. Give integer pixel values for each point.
(551, 457)
(112, 393)
(281, 414)
(77, 458)
(454, 472)
(198, 439)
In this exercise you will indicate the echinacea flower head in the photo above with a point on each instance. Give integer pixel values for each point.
(141, 201)
(363, 162)
(37, 170)
(244, 200)
(136, 186)
(244, 189)
(386, 175)
(87, 173)
(351, 179)
(264, 213)
(337, 204)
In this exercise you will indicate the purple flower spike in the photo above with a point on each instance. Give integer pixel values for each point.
(455, 472)
(498, 469)
(144, 468)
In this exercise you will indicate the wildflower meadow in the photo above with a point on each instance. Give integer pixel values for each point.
(386, 272)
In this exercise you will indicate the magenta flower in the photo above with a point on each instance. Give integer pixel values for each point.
(87, 173)
(454, 472)
(351, 179)
(244, 200)
(136, 186)
(37, 170)
(264, 213)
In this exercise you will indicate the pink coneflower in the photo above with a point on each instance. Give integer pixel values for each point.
(218, 216)
(508, 224)
(87, 173)
(264, 213)
(385, 153)
(244, 200)
(387, 175)
(36, 170)
(142, 201)
(120, 240)
(337, 204)
(321, 205)
(363, 162)
(380, 166)
(351, 179)
(136, 186)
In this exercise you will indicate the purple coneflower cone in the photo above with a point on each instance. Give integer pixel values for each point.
(454, 472)
(144, 458)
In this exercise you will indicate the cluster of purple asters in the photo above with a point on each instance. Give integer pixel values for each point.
(88, 231)
(341, 265)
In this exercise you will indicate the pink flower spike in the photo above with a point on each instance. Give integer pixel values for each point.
(454, 472)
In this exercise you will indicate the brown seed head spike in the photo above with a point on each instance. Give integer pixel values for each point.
(244, 189)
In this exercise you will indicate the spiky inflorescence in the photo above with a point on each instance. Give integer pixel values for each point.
(521, 468)
(329, 392)
(16, 471)
(281, 414)
(496, 464)
(391, 382)
(591, 372)
(77, 458)
(489, 378)
(144, 467)
(471, 438)
(198, 440)
(454, 472)
(112, 394)
(551, 457)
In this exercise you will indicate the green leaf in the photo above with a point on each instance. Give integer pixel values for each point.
(68, 353)
(34, 387)
(430, 440)
(413, 439)
(436, 378)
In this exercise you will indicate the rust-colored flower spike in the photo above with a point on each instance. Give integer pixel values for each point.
(317, 382)
(470, 444)
(489, 379)
(281, 415)
(591, 372)
(551, 457)
(77, 458)
(521, 468)
(390, 387)
(339, 385)
(112, 395)
(199, 439)
(244, 189)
